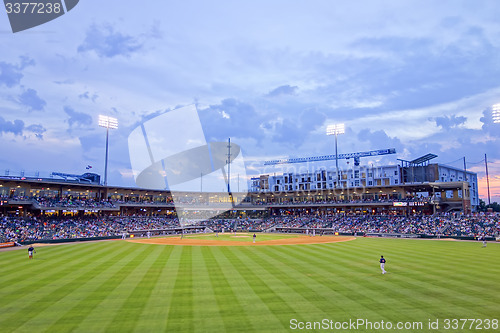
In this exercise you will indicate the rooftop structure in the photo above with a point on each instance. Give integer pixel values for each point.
(374, 179)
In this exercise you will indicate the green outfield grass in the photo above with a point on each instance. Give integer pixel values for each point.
(120, 286)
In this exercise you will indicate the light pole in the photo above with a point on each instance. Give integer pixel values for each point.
(495, 113)
(108, 123)
(487, 178)
(336, 130)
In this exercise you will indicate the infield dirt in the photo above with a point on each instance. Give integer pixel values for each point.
(214, 242)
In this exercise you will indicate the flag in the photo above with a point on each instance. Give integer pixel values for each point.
(88, 167)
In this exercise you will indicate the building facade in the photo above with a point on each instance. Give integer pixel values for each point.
(364, 179)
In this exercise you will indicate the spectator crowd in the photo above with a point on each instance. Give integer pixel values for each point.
(25, 229)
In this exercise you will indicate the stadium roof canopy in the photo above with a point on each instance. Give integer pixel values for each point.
(423, 159)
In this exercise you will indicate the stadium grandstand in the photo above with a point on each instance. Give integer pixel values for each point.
(35, 209)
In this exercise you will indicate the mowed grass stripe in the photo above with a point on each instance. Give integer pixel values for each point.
(331, 276)
(155, 313)
(324, 282)
(14, 278)
(429, 295)
(50, 260)
(126, 317)
(48, 290)
(466, 276)
(261, 318)
(280, 307)
(231, 310)
(47, 262)
(72, 303)
(364, 279)
(290, 290)
(180, 316)
(454, 250)
(420, 260)
(370, 304)
(460, 293)
(42, 272)
(113, 291)
(468, 254)
(206, 312)
(302, 282)
(94, 290)
(10, 259)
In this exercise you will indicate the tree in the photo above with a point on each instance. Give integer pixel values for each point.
(482, 206)
(495, 206)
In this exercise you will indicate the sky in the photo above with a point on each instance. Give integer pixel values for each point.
(417, 76)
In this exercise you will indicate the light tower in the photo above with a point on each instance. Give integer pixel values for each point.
(495, 113)
(336, 129)
(108, 123)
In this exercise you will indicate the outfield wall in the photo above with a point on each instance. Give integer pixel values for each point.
(68, 240)
(310, 232)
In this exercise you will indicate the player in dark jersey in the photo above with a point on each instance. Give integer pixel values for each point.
(31, 249)
(382, 264)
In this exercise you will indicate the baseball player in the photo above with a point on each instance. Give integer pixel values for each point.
(31, 249)
(382, 264)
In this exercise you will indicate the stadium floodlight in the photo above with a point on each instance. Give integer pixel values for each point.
(108, 123)
(496, 113)
(336, 129)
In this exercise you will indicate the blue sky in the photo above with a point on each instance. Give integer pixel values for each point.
(418, 76)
